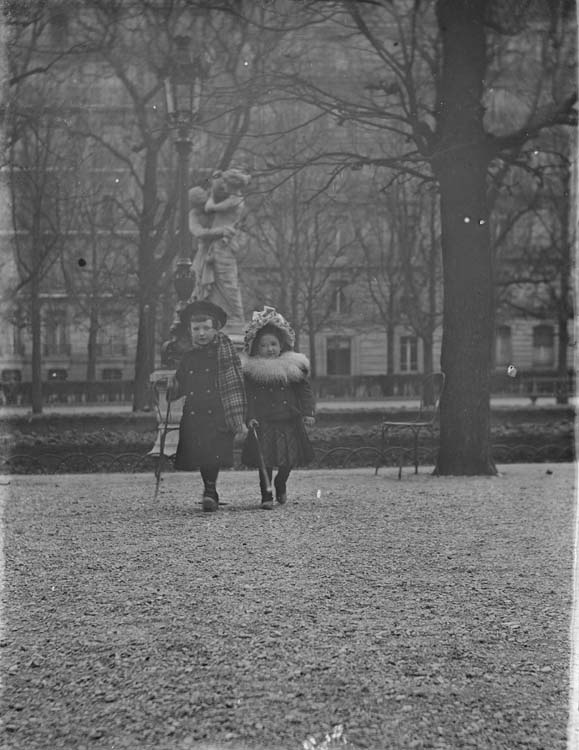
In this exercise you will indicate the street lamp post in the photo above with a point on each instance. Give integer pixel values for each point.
(183, 93)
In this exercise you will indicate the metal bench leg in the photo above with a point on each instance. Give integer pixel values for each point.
(381, 457)
(416, 433)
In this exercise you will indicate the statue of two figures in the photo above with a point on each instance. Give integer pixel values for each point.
(214, 216)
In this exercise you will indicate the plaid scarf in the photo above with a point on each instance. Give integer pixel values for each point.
(230, 383)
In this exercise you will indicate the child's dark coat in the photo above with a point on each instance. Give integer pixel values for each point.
(211, 380)
(279, 395)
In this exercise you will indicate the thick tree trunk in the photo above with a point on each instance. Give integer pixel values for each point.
(148, 275)
(145, 357)
(460, 165)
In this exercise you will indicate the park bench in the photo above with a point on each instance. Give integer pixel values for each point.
(425, 420)
(541, 386)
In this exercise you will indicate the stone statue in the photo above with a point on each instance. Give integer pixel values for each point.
(213, 220)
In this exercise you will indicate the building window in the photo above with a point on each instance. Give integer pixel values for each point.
(503, 346)
(111, 337)
(408, 354)
(56, 333)
(9, 386)
(18, 347)
(338, 355)
(543, 346)
(108, 210)
(57, 373)
(112, 373)
(338, 301)
(11, 376)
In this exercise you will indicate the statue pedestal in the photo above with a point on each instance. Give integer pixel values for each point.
(159, 380)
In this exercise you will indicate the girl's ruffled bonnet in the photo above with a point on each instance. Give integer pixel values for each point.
(271, 318)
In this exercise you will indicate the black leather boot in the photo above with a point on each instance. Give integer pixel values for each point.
(210, 501)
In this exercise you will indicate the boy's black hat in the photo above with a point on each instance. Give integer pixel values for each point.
(203, 307)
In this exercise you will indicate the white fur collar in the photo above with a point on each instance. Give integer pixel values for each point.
(289, 367)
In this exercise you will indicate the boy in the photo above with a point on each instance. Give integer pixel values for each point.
(209, 376)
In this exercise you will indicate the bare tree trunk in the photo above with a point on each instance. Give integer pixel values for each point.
(148, 284)
(36, 357)
(390, 336)
(428, 337)
(428, 356)
(563, 344)
(312, 342)
(91, 349)
(145, 355)
(564, 291)
(460, 166)
(91, 353)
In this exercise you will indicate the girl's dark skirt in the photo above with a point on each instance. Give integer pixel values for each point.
(282, 443)
(203, 443)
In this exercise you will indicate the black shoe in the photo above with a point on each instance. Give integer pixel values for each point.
(210, 501)
(267, 501)
(280, 494)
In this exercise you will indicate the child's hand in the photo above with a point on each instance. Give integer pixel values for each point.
(172, 388)
(309, 421)
(241, 434)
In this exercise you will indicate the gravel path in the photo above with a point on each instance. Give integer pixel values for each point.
(422, 613)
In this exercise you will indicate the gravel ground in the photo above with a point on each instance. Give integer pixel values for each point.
(422, 613)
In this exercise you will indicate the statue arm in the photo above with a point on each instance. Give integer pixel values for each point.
(200, 232)
(234, 202)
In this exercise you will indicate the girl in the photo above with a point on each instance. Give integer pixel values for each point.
(280, 401)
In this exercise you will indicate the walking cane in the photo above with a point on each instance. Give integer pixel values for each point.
(261, 462)
(158, 467)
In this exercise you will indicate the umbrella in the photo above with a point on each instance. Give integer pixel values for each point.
(260, 461)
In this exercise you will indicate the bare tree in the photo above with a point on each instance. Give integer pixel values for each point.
(42, 207)
(98, 272)
(398, 231)
(301, 246)
(418, 103)
(533, 246)
(136, 43)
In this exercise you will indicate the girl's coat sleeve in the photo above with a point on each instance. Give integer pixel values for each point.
(306, 398)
